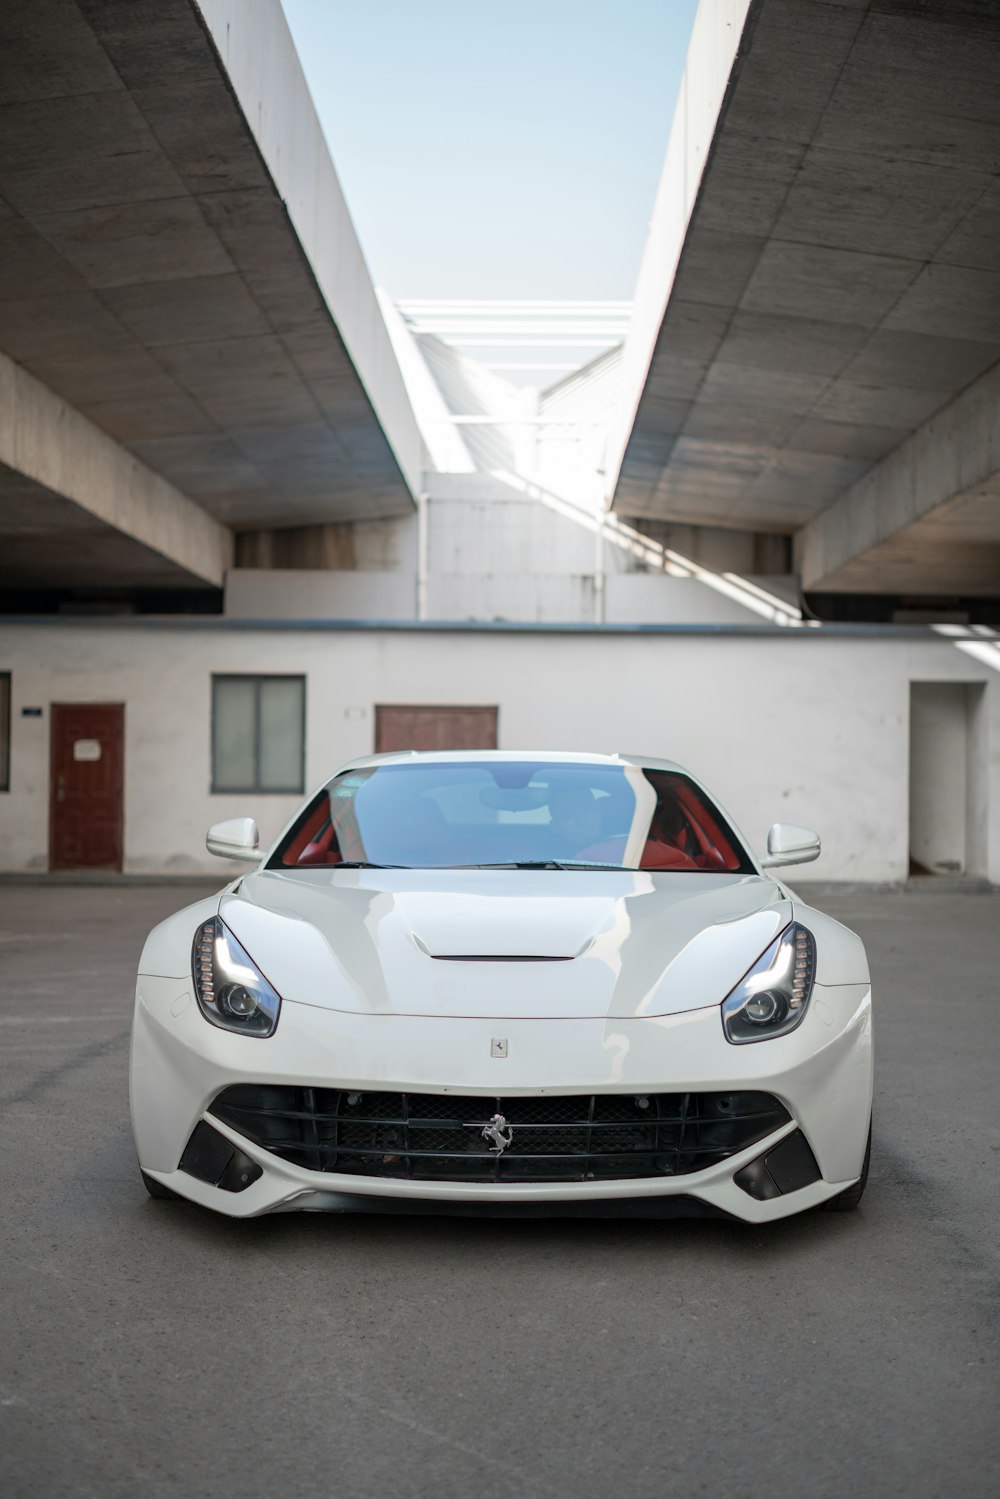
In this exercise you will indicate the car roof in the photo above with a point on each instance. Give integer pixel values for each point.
(453, 757)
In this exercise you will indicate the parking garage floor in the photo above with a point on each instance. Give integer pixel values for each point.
(148, 1348)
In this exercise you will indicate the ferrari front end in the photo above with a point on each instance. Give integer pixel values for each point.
(501, 983)
(659, 1114)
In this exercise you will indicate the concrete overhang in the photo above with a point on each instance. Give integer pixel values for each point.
(52, 544)
(177, 263)
(823, 276)
(926, 520)
(78, 510)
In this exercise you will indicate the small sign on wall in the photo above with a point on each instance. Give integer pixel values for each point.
(86, 749)
(31, 712)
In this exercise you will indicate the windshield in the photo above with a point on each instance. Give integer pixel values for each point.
(512, 814)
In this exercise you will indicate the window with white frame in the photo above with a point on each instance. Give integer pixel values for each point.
(258, 733)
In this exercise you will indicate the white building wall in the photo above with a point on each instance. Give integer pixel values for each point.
(493, 554)
(804, 727)
(508, 559)
(331, 593)
(654, 599)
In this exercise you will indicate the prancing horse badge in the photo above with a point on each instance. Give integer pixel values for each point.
(498, 1046)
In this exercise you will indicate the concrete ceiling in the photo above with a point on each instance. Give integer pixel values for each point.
(149, 274)
(840, 279)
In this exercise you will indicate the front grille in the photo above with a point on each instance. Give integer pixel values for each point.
(431, 1137)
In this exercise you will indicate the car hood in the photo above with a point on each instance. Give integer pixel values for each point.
(504, 943)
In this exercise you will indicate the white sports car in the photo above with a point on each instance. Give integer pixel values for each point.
(511, 983)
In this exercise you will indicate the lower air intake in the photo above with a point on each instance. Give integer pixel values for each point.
(431, 1137)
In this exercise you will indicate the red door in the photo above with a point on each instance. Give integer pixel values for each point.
(86, 813)
(435, 729)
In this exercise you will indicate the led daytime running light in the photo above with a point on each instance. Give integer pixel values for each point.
(773, 997)
(802, 972)
(230, 989)
(204, 975)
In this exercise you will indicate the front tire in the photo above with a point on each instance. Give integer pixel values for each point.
(847, 1201)
(157, 1189)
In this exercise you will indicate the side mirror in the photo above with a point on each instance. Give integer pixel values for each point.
(787, 844)
(236, 839)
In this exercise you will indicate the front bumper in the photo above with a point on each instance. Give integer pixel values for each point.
(822, 1073)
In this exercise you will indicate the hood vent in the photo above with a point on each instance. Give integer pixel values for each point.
(498, 957)
(490, 957)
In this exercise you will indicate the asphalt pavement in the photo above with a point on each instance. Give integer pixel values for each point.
(152, 1349)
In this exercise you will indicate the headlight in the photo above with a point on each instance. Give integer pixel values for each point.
(230, 988)
(772, 998)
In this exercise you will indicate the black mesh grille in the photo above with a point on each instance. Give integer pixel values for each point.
(430, 1137)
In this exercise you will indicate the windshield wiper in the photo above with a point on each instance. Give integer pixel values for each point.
(364, 864)
(536, 864)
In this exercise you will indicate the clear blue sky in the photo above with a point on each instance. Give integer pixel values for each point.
(497, 148)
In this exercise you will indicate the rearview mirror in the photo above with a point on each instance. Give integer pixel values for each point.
(788, 844)
(236, 839)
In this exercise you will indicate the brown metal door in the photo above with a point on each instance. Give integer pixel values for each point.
(86, 795)
(434, 728)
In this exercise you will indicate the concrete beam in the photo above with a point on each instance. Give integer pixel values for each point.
(715, 39)
(150, 274)
(256, 47)
(925, 519)
(834, 285)
(54, 446)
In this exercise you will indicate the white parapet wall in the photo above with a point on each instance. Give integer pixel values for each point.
(806, 727)
(493, 553)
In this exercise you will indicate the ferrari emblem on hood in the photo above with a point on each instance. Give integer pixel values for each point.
(499, 1132)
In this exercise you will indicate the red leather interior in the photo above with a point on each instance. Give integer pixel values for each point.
(312, 841)
(318, 850)
(658, 855)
